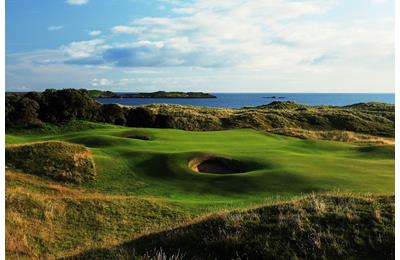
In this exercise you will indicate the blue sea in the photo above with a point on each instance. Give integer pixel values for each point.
(238, 100)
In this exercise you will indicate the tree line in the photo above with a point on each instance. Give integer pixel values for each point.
(33, 109)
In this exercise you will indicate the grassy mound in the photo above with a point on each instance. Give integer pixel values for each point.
(316, 227)
(58, 160)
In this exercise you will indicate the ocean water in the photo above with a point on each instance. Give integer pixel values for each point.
(237, 100)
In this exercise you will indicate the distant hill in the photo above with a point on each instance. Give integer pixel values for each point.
(158, 94)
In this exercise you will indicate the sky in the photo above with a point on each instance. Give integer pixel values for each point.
(201, 45)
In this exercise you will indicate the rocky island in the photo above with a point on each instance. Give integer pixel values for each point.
(158, 94)
(274, 97)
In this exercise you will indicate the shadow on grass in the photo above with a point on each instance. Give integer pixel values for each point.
(315, 227)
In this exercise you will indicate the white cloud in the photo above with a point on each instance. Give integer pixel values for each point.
(121, 29)
(94, 33)
(260, 35)
(84, 49)
(77, 2)
(54, 27)
(252, 35)
(101, 82)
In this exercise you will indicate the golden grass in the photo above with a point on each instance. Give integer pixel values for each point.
(46, 220)
(356, 125)
(341, 136)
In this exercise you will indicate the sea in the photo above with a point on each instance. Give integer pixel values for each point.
(238, 100)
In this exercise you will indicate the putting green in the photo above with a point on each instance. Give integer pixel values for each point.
(157, 163)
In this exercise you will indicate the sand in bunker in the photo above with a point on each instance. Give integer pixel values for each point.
(139, 137)
(217, 165)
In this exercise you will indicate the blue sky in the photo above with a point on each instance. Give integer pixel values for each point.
(201, 45)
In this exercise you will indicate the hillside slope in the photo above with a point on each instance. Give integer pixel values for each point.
(315, 227)
(49, 220)
(46, 220)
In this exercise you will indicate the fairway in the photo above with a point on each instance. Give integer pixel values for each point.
(155, 163)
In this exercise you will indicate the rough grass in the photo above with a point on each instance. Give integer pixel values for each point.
(45, 219)
(49, 128)
(334, 135)
(58, 160)
(376, 119)
(315, 227)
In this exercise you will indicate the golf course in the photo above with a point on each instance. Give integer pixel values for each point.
(199, 130)
(148, 180)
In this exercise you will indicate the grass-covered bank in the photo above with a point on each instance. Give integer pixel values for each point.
(287, 118)
(341, 226)
(46, 220)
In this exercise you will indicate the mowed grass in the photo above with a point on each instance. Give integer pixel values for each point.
(280, 167)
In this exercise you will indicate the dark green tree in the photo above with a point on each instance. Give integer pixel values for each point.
(68, 104)
(112, 113)
(140, 117)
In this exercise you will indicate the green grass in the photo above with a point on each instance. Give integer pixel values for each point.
(151, 182)
(282, 166)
